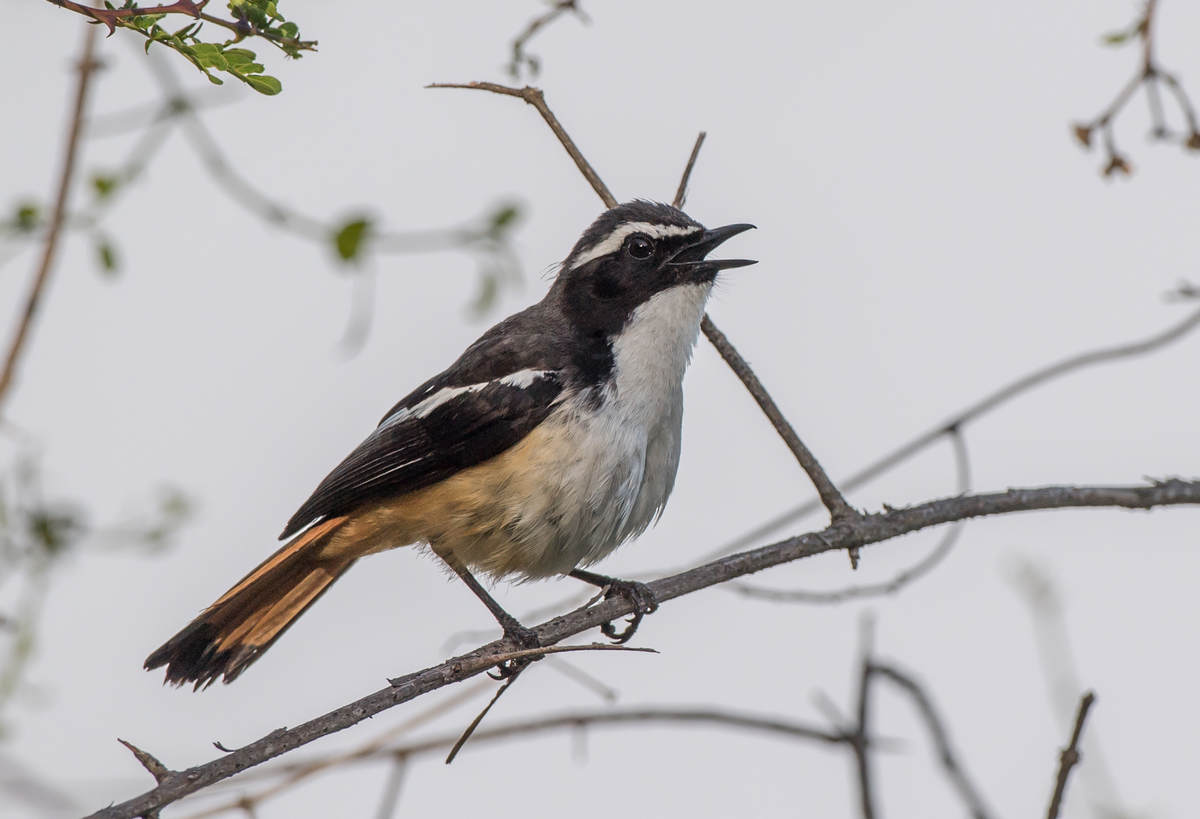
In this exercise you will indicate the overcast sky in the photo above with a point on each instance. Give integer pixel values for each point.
(928, 229)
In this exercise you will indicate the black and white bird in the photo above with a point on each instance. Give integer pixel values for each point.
(551, 441)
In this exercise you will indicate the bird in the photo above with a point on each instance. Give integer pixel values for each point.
(552, 440)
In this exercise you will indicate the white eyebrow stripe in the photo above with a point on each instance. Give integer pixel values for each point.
(614, 240)
(521, 379)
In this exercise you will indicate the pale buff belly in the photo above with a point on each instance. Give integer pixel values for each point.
(565, 495)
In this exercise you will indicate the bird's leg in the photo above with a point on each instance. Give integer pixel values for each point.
(643, 599)
(513, 630)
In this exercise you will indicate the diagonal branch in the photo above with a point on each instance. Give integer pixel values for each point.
(828, 492)
(87, 67)
(862, 531)
(838, 508)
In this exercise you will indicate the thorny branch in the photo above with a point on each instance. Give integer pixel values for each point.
(87, 67)
(1069, 757)
(1148, 76)
(862, 531)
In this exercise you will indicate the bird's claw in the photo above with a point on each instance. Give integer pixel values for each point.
(644, 602)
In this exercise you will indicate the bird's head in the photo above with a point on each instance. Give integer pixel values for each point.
(634, 252)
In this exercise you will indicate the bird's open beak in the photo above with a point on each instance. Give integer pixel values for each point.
(694, 254)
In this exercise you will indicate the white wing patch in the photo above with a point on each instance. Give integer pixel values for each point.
(613, 241)
(521, 379)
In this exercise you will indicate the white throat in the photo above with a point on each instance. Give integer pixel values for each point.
(652, 351)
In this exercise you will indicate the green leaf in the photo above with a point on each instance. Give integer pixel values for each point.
(290, 30)
(263, 83)
(502, 218)
(104, 185)
(239, 56)
(349, 239)
(106, 255)
(27, 217)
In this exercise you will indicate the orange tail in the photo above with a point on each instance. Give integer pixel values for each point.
(232, 632)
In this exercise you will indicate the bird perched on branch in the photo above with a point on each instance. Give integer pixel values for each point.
(551, 441)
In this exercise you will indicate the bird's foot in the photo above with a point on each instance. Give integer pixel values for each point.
(644, 602)
(524, 638)
(643, 599)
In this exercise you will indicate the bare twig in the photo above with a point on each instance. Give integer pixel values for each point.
(862, 757)
(1059, 667)
(519, 56)
(681, 191)
(148, 761)
(1069, 757)
(393, 786)
(86, 67)
(537, 99)
(830, 496)
(861, 531)
(470, 729)
(941, 740)
(541, 651)
(838, 508)
(895, 584)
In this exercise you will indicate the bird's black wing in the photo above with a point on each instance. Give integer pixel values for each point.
(502, 387)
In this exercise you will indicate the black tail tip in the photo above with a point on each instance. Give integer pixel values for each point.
(191, 656)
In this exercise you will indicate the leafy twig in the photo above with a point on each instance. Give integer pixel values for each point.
(1148, 76)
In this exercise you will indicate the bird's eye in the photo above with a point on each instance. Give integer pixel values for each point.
(639, 247)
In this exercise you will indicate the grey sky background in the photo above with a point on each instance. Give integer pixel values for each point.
(928, 230)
